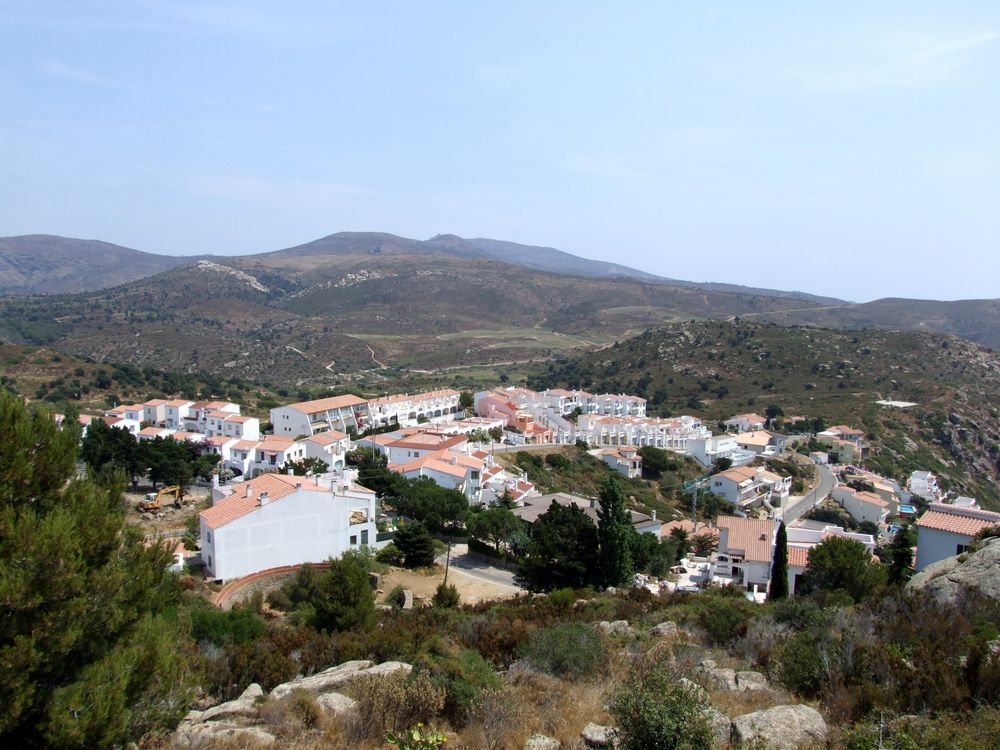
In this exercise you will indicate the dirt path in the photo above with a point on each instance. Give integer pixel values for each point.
(472, 589)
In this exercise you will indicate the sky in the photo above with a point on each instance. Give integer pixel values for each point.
(845, 149)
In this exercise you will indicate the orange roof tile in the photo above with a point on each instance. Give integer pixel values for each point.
(325, 438)
(754, 536)
(957, 520)
(798, 557)
(326, 404)
(246, 498)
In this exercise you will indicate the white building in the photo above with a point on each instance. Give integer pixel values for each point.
(707, 449)
(175, 412)
(407, 410)
(675, 434)
(309, 417)
(449, 469)
(925, 484)
(746, 550)
(277, 520)
(418, 445)
(745, 423)
(625, 460)
(862, 506)
(947, 530)
(331, 447)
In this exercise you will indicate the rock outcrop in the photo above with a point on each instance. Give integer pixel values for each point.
(951, 580)
(334, 677)
(779, 728)
(336, 703)
(615, 628)
(597, 735)
(663, 630)
(245, 705)
(541, 742)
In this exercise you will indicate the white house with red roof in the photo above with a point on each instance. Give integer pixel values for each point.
(862, 506)
(947, 530)
(418, 444)
(277, 520)
(745, 423)
(624, 459)
(175, 412)
(449, 469)
(331, 447)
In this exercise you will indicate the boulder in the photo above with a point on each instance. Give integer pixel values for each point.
(718, 678)
(208, 734)
(541, 742)
(951, 579)
(336, 703)
(780, 728)
(245, 705)
(596, 735)
(334, 677)
(693, 687)
(407, 599)
(663, 630)
(751, 681)
(719, 725)
(617, 628)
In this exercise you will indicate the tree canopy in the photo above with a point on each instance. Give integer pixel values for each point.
(843, 564)
(563, 551)
(90, 655)
(613, 526)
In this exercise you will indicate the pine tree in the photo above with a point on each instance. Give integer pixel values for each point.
(779, 571)
(900, 558)
(613, 527)
(416, 544)
(90, 654)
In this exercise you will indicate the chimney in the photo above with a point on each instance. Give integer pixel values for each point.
(265, 498)
(290, 471)
(298, 485)
(593, 502)
(654, 514)
(249, 490)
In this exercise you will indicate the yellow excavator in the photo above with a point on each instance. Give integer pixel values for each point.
(152, 501)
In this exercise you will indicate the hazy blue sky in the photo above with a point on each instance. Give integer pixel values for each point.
(845, 149)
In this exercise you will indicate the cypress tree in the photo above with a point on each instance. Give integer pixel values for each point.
(779, 571)
(613, 530)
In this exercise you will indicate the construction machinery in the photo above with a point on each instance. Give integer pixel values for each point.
(153, 499)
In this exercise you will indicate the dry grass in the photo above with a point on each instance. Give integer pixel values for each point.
(735, 703)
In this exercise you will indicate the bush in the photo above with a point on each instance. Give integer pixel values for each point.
(392, 703)
(654, 711)
(446, 596)
(570, 650)
(390, 555)
(235, 627)
(558, 461)
(464, 678)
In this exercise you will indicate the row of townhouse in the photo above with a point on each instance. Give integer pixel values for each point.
(209, 418)
(250, 457)
(344, 413)
(608, 404)
(673, 434)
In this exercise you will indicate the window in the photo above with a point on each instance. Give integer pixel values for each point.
(210, 537)
(354, 540)
(364, 536)
(961, 549)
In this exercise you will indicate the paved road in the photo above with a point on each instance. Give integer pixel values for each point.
(827, 481)
(476, 567)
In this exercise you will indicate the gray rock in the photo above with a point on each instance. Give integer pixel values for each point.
(751, 681)
(334, 677)
(663, 630)
(780, 728)
(720, 727)
(407, 599)
(541, 742)
(596, 735)
(618, 627)
(951, 579)
(245, 705)
(693, 687)
(207, 734)
(707, 663)
(718, 678)
(336, 703)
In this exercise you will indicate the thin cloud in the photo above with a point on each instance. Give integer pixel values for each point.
(901, 60)
(73, 73)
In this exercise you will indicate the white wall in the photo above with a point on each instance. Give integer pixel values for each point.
(305, 526)
(934, 545)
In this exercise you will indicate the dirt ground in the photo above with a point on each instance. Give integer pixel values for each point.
(472, 590)
(166, 518)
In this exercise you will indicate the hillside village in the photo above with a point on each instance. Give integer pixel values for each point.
(264, 515)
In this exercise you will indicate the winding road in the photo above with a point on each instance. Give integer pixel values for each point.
(827, 481)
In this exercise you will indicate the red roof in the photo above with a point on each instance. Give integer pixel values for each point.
(246, 498)
(957, 520)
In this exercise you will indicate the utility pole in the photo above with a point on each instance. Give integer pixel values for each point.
(447, 562)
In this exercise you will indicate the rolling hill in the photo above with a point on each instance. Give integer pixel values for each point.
(717, 369)
(46, 264)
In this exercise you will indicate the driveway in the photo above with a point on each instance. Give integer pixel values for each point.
(476, 567)
(827, 481)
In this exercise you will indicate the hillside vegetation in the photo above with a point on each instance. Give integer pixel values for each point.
(293, 319)
(716, 370)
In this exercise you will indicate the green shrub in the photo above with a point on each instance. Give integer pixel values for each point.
(655, 712)
(236, 627)
(446, 596)
(570, 649)
(390, 555)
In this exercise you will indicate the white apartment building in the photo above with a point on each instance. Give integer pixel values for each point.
(321, 415)
(673, 434)
(407, 410)
(277, 520)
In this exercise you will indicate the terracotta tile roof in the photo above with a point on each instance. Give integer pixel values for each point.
(798, 557)
(747, 418)
(152, 431)
(246, 445)
(753, 536)
(246, 497)
(154, 402)
(325, 438)
(272, 443)
(757, 437)
(427, 440)
(431, 462)
(178, 402)
(326, 404)
(957, 520)
(739, 474)
(236, 418)
(690, 527)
